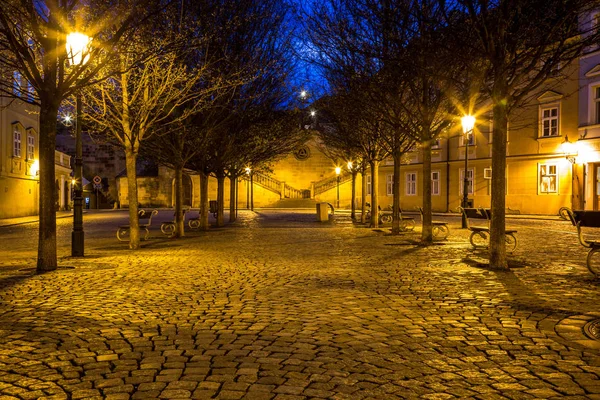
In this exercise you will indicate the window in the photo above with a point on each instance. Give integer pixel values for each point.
(435, 145)
(16, 144)
(30, 147)
(435, 183)
(549, 122)
(368, 185)
(462, 181)
(389, 184)
(471, 139)
(596, 104)
(411, 183)
(548, 178)
(16, 83)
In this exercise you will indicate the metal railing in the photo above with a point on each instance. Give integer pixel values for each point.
(330, 183)
(267, 182)
(281, 188)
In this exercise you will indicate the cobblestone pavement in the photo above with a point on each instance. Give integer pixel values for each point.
(277, 306)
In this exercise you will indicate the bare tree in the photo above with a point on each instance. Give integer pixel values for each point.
(515, 46)
(158, 92)
(32, 42)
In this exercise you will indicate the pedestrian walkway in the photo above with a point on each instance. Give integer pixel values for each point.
(31, 219)
(280, 306)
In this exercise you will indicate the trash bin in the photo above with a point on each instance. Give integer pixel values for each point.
(322, 212)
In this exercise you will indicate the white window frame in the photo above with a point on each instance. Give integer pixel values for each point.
(595, 103)
(389, 184)
(16, 143)
(369, 186)
(550, 118)
(545, 172)
(470, 177)
(411, 183)
(30, 147)
(435, 183)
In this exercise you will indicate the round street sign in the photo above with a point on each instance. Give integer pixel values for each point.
(97, 179)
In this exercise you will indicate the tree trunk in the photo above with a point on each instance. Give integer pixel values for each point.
(353, 207)
(374, 195)
(497, 223)
(363, 191)
(396, 221)
(46, 260)
(179, 220)
(427, 233)
(203, 212)
(132, 194)
(220, 198)
(232, 197)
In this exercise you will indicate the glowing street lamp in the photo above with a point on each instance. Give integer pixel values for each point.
(78, 49)
(250, 190)
(338, 171)
(468, 123)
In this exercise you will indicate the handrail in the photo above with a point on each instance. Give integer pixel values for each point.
(267, 182)
(329, 183)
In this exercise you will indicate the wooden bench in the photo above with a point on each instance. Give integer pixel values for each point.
(480, 234)
(587, 219)
(168, 228)
(145, 220)
(439, 229)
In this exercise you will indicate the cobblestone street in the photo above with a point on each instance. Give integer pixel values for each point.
(278, 306)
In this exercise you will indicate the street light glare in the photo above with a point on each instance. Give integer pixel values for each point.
(313, 113)
(468, 123)
(78, 48)
(338, 170)
(303, 94)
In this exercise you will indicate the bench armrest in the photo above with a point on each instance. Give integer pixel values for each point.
(581, 238)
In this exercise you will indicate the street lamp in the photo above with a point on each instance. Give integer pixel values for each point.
(468, 123)
(248, 172)
(338, 171)
(78, 54)
(570, 151)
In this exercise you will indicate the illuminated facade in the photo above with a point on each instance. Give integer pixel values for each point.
(19, 188)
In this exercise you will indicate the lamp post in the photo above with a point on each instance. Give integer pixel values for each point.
(77, 49)
(570, 151)
(248, 171)
(338, 171)
(468, 123)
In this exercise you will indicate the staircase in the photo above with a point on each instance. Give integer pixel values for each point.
(284, 190)
(330, 183)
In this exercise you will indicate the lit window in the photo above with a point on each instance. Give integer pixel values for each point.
(550, 122)
(16, 144)
(435, 183)
(548, 176)
(469, 179)
(411, 183)
(435, 145)
(30, 147)
(389, 184)
(368, 185)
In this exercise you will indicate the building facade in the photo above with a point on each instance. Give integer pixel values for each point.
(19, 181)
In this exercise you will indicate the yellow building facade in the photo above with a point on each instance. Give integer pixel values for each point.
(19, 188)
